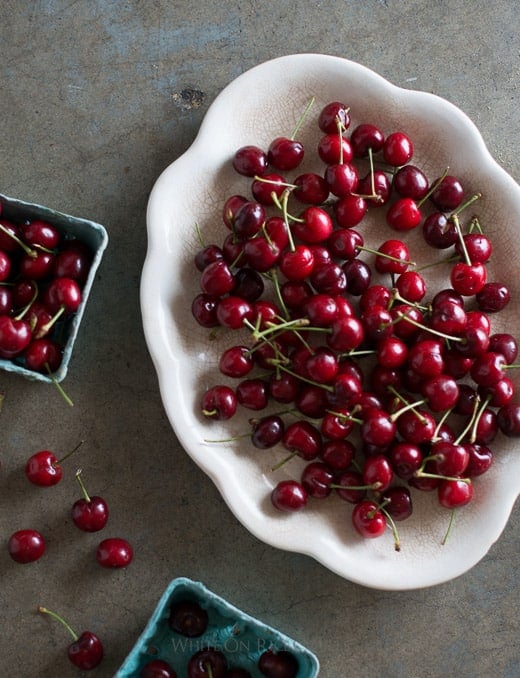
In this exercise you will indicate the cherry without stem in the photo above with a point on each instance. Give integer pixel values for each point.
(114, 552)
(26, 546)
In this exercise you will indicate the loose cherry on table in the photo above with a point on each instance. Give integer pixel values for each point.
(114, 552)
(90, 513)
(86, 651)
(26, 546)
(44, 468)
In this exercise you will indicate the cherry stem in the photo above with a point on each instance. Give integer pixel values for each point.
(345, 417)
(433, 188)
(435, 436)
(228, 440)
(374, 486)
(450, 526)
(209, 669)
(473, 435)
(276, 284)
(455, 220)
(69, 454)
(69, 628)
(31, 302)
(283, 207)
(48, 325)
(30, 252)
(385, 256)
(424, 474)
(279, 465)
(475, 224)
(60, 388)
(410, 406)
(302, 118)
(393, 526)
(199, 234)
(472, 419)
(326, 387)
(468, 202)
(82, 486)
(402, 316)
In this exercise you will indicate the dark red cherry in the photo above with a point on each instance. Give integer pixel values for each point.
(278, 664)
(250, 161)
(334, 117)
(365, 137)
(448, 194)
(188, 618)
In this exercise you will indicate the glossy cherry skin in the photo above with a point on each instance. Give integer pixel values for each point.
(42, 233)
(285, 154)
(5, 266)
(448, 194)
(26, 546)
(6, 300)
(508, 418)
(90, 515)
(455, 493)
(350, 210)
(493, 297)
(368, 520)
(38, 267)
(86, 652)
(157, 668)
(333, 117)
(41, 353)
(334, 148)
(410, 182)
(73, 260)
(250, 161)
(278, 664)
(43, 469)
(404, 215)
(364, 137)
(219, 402)
(400, 505)
(15, 336)
(311, 188)
(289, 495)
(297, 264)
(114, 552)
(188, 618)
(439, 231)
(468, 279)
(267, 432)
(397, 149)
(62, 293)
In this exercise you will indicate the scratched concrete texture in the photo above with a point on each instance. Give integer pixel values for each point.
(97, 98)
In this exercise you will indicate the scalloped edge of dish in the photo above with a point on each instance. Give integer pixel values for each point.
(157, 337)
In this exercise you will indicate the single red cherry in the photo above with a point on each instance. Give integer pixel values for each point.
(366, 137)
(86, 651)
(397, 149)
(368, 519)
(250, 161)
(219, 402)
(454, 493)
(44, 468)
(157, 668)
(334, 116)
(15, 336)
(289, 495)
(90, 513)
(114, 552)
(188, 618)
(278, 664)
(26, 546)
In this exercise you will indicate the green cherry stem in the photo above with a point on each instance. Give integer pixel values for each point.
(62, 621)
(302, 117)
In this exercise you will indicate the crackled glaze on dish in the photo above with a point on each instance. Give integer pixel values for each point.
(263, 103)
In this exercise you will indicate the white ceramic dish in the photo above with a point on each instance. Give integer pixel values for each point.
(263, 103)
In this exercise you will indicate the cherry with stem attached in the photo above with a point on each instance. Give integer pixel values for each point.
(90, 513)
(44, 468)
(86, 650)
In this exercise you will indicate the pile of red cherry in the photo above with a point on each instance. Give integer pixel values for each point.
(42, 274)
(383, 388)
(90, 514)
(190, 619)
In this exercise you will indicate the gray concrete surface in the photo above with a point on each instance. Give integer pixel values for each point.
(91, 113)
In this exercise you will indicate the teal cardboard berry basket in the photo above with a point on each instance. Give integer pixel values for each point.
(89, 233)
(240, 637)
